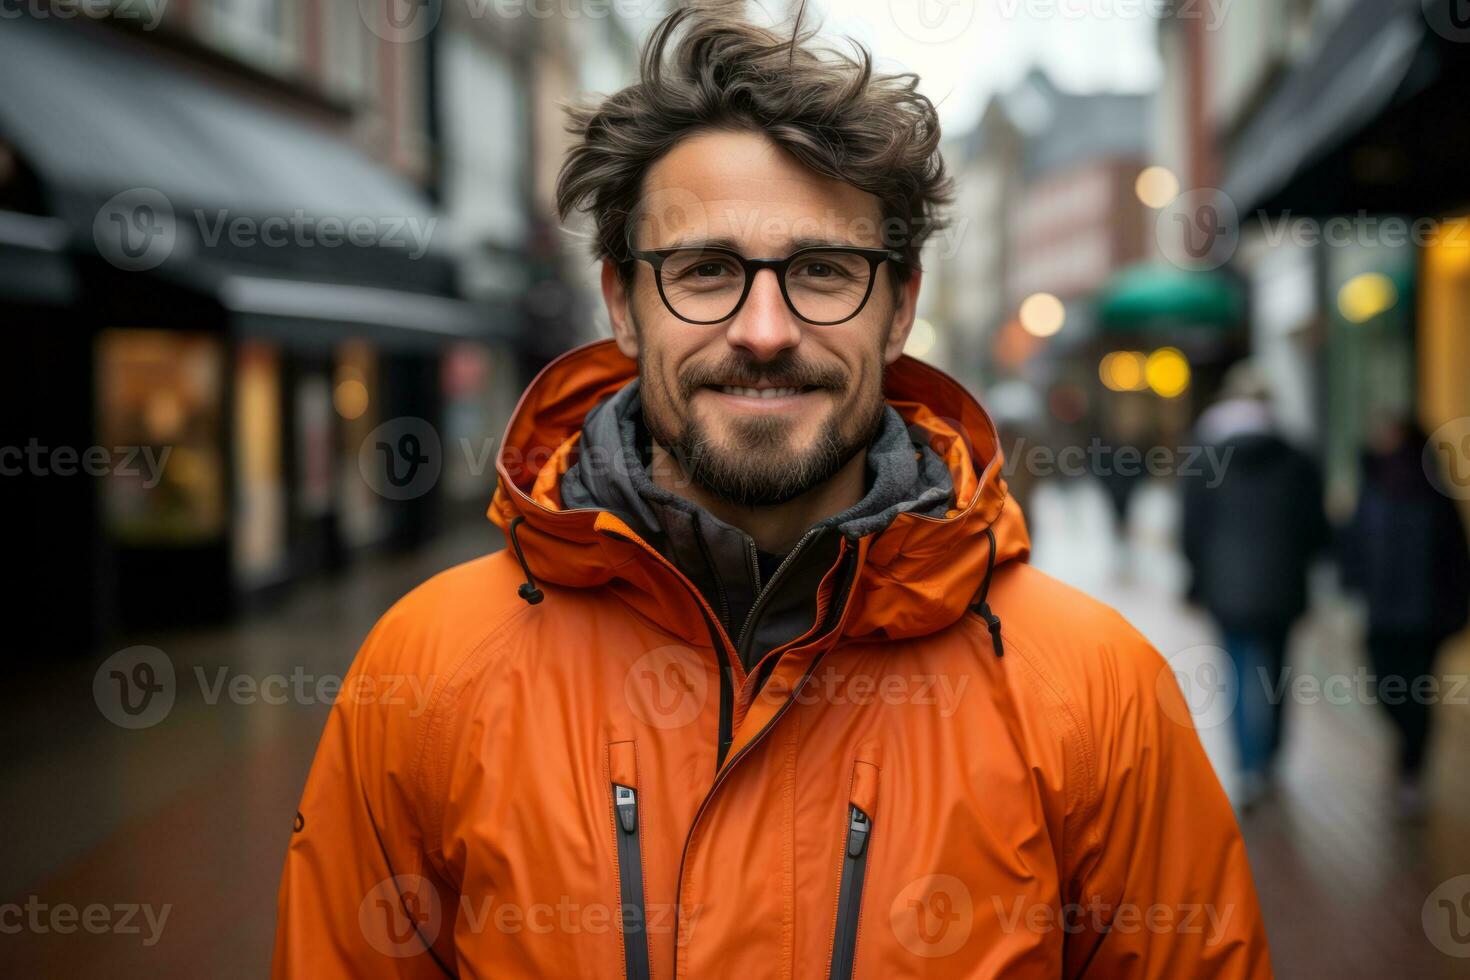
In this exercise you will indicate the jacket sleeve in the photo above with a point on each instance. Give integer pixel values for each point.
(1160, 882)
(358, 898)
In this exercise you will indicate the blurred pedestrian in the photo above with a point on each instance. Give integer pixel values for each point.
(1250, 539)
(1406, 553)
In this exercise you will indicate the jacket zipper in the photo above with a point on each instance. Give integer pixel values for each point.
(630, 884)
(725, 736)
(740, 639)
(840, 601)
(850, 892)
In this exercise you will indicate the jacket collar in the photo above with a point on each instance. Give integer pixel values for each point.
(919, 572)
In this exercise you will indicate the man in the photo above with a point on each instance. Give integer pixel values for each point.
(1250, 542)
(763, 686)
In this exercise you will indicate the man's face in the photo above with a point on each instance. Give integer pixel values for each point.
(818, 390)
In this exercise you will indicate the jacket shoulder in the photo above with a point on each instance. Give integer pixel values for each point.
(448, 616)
(1105, 686)
(1067, 633)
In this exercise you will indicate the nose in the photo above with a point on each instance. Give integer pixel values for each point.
(765, 325)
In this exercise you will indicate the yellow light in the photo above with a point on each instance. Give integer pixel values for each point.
(922, 339)
(351, 399)
(1042, 315)
(1122, 370)
(1365, 296)
(1156, 187)
(1167, 372)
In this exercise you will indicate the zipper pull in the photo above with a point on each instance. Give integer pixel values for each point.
(626, 799)
(857, 833)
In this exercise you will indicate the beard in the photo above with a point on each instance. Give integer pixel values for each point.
(756, 465)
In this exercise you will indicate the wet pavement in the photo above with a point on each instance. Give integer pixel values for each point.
(180, 828)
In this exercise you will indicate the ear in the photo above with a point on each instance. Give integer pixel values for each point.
(615, 296)
(903, 317)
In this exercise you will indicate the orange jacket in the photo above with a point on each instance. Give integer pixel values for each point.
(954, 774)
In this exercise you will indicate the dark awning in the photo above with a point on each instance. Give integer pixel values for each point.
(98, 115)
(1361, 123)
(34, 267)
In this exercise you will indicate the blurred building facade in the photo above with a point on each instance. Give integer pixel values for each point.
(247, 248)
(1321, 128)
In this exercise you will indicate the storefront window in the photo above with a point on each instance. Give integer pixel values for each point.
(355, 396)
(159, 415)
(260, 487)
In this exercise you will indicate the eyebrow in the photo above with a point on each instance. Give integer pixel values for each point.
(734, 246)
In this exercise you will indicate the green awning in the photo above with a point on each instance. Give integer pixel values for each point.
(1162, 297)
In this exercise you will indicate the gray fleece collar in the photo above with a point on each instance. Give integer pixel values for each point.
(610, 474)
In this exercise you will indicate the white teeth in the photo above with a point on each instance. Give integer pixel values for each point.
(759, 392)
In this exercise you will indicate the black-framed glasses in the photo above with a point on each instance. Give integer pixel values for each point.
(823, 285)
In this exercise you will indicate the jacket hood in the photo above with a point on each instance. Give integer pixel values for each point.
(916, 575)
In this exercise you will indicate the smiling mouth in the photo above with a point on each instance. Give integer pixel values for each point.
(760, 392)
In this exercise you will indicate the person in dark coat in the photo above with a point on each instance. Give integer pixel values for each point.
(1250, 540)
(1406, 554)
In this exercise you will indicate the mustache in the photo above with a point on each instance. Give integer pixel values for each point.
(783, 372)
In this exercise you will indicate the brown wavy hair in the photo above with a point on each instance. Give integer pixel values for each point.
(705, 67)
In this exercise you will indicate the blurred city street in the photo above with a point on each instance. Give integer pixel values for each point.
(1206, 266)
(1341, 878)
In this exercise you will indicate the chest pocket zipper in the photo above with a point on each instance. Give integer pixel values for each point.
(630, 861)
(858, 832)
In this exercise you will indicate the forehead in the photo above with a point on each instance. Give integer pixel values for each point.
(741, 188)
